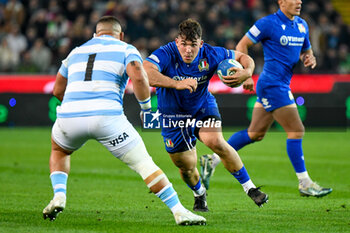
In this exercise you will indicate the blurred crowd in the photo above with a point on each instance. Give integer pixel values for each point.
(36, 35)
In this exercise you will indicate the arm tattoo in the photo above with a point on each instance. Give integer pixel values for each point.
(137, 67)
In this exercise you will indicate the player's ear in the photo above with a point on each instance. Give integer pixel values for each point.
(201, 44)
(121, 36)
(177, 41)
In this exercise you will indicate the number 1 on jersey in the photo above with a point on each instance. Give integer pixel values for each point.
(89, 66)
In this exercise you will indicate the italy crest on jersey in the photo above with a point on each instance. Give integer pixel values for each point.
(301, 28)
(203, 65)
(169, 143)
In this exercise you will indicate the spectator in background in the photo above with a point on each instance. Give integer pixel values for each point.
(72, 10)
(40, 22)
(31, 35)
(9, 60)
(344, 58)
(14, 12)
(40, 55)
(16, 41)
(26, 66)
(53, 20)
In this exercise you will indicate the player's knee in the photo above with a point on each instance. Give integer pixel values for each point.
(139, 160)
(257, 136)
(187, 172)
(295, 135)
(215, 143)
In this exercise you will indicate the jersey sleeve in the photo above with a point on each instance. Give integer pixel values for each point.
(63, 70)
(132, 54)
(259, 30)
(223, 53)
(307, 43)
(160, 58)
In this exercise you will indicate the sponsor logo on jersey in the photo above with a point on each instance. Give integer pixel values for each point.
(292, 40)
(284, 40)
(201, 79)
(301, 28)
(203, 65)
(121, 138)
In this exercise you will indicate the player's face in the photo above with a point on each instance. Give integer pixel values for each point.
(290, 8)
(188, 49)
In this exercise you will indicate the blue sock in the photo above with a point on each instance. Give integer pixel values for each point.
(169, 196)
(59, 182)
(241, 175)
(295, 153)
(240, 139)
(197, 186)
(198, 189)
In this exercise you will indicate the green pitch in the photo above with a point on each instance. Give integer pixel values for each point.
(104, 195)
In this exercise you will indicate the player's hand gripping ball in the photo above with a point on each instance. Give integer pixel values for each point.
(223, 69)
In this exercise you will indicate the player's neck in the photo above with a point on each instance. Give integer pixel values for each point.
(288, 15)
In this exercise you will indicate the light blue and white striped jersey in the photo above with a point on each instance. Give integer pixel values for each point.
(96, 73)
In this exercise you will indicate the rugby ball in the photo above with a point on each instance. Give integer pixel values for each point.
(225, 65)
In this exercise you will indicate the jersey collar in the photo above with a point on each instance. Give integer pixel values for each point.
(285, 19)
(108, 37)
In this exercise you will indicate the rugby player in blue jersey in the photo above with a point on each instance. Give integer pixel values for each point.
(181, 71)
(285, 40)
(91, 83)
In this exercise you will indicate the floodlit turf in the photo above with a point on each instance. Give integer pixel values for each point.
(104, 195)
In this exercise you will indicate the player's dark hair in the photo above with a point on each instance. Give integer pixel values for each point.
(109, 19)
(190, 29)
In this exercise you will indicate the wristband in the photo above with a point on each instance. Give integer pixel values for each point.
(145, 104)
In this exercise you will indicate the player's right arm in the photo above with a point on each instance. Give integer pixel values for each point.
(256, 33)
(244, 44)
(157, 79)
(242, 47)
(60, 86)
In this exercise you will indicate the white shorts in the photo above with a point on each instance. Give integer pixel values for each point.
(114, 132)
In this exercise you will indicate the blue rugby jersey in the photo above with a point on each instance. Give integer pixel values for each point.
(283, 40)
(169, 62)
(96, 73)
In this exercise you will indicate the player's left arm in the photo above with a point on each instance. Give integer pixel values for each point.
(308, 58)
(139, 79)
(307, 55)
(60, 86)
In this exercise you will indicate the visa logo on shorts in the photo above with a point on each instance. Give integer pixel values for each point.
(121, 138)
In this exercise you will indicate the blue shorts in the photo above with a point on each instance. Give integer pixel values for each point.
(180, 130)
(273, 96)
